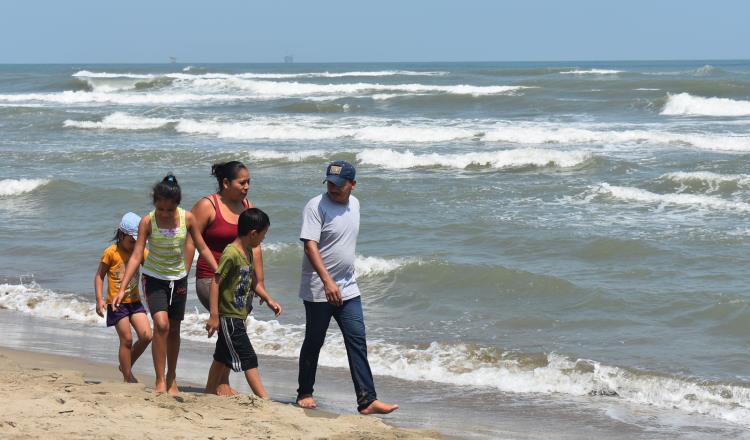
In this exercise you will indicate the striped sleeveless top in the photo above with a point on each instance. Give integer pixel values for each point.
(166, 250)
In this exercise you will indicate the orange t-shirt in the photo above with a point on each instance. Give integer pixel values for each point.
(116, 262)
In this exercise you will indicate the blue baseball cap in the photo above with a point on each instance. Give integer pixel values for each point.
(339, 171)
(129, 224)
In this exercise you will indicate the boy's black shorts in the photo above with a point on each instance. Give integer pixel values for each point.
(233, 348)
(166, 296)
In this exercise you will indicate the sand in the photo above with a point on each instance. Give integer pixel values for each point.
(47, 396)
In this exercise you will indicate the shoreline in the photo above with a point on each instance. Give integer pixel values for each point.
(455, 412)
(66, 397)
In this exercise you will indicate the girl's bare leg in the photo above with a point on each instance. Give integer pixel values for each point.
(173, 351)
(125, 349)
(159, 350)
(142, 327)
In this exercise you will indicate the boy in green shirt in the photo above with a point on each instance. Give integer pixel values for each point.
(231, 298)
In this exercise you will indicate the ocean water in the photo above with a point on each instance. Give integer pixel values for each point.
(534, 235)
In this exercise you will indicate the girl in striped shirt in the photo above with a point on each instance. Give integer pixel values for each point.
(165, 274)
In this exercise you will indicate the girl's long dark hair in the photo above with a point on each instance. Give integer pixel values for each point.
(167, 189)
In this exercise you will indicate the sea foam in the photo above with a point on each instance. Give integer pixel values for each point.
(712, 180)
(278, 89)
(256, 85)
(120, 121)
(419, 130)
(591, 72)
(13, 187)
(369, 266)
(82, 97)
(682, 200)
(361, 129)
(518, 158)
(291, 156)
(685, 104)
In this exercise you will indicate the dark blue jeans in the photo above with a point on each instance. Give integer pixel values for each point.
(352, 324)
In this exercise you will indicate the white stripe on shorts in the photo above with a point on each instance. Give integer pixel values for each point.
(236, 364)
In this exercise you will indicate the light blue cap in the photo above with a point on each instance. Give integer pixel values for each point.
(129, 224)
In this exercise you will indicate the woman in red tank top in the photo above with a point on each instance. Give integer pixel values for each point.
(216, 216)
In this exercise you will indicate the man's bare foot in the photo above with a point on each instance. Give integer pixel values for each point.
(378, 407)
(307, 402)
(172, 385)
(225, 390)
(160, 387)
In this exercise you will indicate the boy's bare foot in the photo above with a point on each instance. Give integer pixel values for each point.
(378, 407)
(172, 386)
(307, 402)
(160, 387)
(127, 379)
(225, 390)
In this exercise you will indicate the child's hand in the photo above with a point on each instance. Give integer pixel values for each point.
(101, 307)
(273, 305)
(118, 299)
(212, 325)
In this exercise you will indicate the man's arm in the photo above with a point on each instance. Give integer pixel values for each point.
(333, 293)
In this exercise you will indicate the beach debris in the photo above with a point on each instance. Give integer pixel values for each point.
(604, 393)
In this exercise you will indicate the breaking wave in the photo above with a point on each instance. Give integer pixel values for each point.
(712, 181)
(13, 187)
(369, 266)
(694, 201)
(120, 121)
(289, 156)
(365, 129)
(84, 97)
(685, 104)
(233, 89)
(591, 72)
(373, 129)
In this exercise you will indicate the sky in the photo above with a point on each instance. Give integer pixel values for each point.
(138, 31)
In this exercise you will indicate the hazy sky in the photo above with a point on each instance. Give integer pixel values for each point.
(34, 31)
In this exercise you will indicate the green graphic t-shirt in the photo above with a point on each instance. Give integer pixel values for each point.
(235, 290)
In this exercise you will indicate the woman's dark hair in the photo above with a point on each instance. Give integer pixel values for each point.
(252, 219)
(167, 189)
(226, 170)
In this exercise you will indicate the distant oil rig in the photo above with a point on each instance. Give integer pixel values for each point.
(288, 59)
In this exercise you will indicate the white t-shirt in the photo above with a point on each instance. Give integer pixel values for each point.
(335, 227)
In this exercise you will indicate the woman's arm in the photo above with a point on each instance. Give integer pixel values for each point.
(200, 245)
(212, 325)
(204, 213)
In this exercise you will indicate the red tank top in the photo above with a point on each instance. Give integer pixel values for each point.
(217, 236)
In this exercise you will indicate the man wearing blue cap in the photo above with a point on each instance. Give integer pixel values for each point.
(330, 226)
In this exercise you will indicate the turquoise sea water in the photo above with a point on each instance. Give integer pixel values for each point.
(567, 233)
